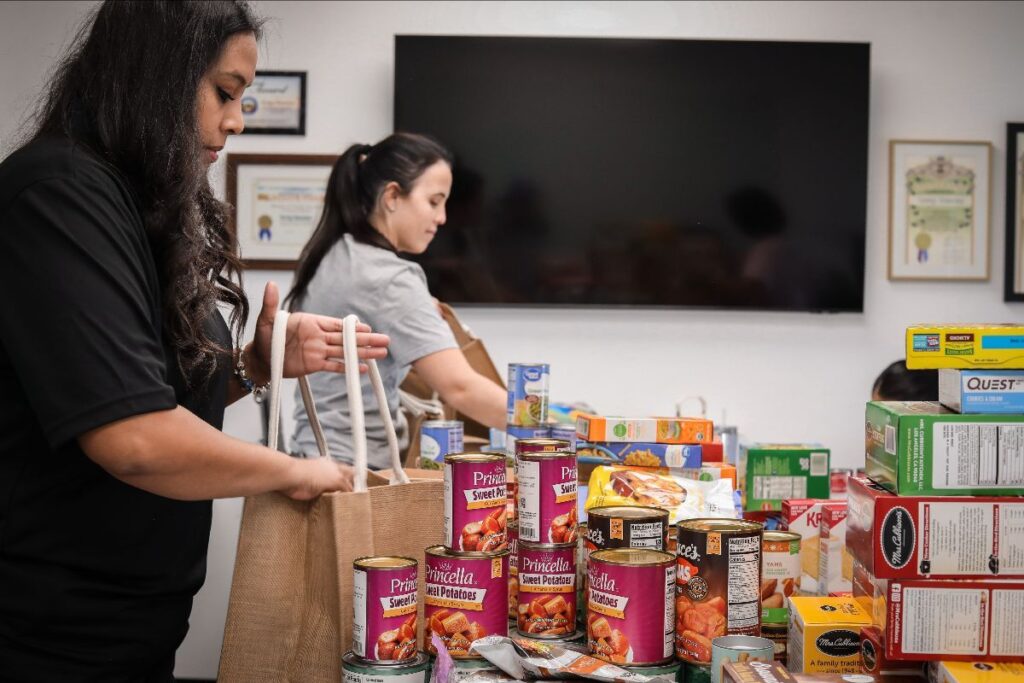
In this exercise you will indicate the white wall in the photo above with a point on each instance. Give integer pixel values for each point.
(939, 71)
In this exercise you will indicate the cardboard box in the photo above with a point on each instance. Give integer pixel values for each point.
(712, 451)
(980, 392)
(935, 536)
(771, 473)
(976, 672)
(681, 430)
(966, 346)
(803, 516)
(776, 672)
(640, 454)
(921, 448)
(874, 661)
(835, 566)
(824, 635)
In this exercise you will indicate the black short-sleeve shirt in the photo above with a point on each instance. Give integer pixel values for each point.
(96, 577)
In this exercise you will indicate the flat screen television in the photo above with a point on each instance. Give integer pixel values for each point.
(644, 173)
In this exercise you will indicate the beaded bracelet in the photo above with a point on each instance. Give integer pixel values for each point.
(258, 391)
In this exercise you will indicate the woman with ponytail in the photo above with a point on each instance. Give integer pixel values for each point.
(384, 200)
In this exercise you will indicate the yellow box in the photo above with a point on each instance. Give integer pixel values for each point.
(977, 672)
(965, 346)
(824, 635)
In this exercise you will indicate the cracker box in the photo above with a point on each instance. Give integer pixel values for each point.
(935, 537)
(771, 473)
(874, 661)
(641, 454)
(919, 448)
(976, 672)
(824, 635)
(803, 516)
(679, 430)
(835, 566)
(967, 346)
(980, 392)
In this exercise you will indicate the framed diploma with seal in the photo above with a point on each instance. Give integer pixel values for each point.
(277, 200)
(1014, 288)
(275, 104)
(939, 199)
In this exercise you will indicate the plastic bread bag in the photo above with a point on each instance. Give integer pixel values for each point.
(684, 498)
(529, 659)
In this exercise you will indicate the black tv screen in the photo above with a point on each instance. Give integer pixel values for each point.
(654, 173)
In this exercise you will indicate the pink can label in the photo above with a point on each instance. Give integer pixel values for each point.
(385, 601)
(547, 590)
(631, 612)
(475, 498)
(513, 571)
(547, 499)
(466, 599)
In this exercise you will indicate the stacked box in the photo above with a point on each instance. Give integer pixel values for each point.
(835, 565)
(803, 516)
(772, 473)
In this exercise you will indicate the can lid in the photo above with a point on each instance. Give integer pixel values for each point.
(721, 525)
(530, 545)
(474, 457)
(781, 536)
(441, 423)
(545, 455)
(351, 659)
(384, 562)
(441, 551)
(632, 556)
(529, 365)
(556, 444)
(628, 512)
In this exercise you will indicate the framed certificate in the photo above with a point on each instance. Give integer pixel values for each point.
(275, 104)
(1014, 289)
(278, 199)
(939, 198)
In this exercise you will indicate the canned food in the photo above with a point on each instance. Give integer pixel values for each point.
(384, 599)
(547, 589)
(466, 598)
(671, 671)
(547, 497)
(357, 670)
(581, 573)
(575, 641)
(513, 435)
(696, 673)
(779, 635)
(627, 526)
(630, 607)
(717, 583)
(513, 571)
(475, 497)
(512, 501)
(528, 394)
(542, 445)
(439, 438)
(565, 432)
(738, 649)
(780, 574)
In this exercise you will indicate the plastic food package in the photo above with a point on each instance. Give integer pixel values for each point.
(684, 498)
(527, 659)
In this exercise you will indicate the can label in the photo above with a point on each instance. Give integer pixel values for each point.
(717, 588)
(739, 649)
(466, 599)
(547, 499)
(354, 670)
(527, 394)
(630, 611)
(513, 571)
(780, 577)
(617, 531)
(439, 438)
(385, 600)
(475, 500)
(547, 590)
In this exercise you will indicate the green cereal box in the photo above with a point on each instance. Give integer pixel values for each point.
(772, 473)
(922, 448)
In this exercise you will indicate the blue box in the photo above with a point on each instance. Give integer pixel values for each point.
(980, 392)
(640, 454)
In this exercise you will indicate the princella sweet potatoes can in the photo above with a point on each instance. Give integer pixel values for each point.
(466, 598)
(384, 599)
(631, 606)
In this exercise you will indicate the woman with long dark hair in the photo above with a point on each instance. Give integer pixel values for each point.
(115, 364)
(383, 200)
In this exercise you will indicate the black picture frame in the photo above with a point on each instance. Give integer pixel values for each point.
(295, 80)
(1014, 196)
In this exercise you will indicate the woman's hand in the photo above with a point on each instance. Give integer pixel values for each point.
(314, 342)
(319, 475)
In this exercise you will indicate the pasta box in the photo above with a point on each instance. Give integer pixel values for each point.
(676, 430)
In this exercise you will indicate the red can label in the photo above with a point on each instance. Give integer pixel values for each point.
(547, 590)
(547, 499)
(475, 505)
(385, 601)
(631, 609)
(466, 599)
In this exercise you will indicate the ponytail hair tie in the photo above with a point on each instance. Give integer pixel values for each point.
(364, 152)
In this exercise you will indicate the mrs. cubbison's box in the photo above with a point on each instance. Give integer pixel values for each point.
(922, 448)
(976, 672)
(934, 536)
(999, 346)
(771, 473)
(824, 635)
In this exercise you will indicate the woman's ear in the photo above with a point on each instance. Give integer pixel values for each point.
(389, 196)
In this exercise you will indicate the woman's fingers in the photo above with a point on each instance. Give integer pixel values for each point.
(372, 339)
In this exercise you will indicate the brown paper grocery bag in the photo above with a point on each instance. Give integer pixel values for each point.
(290, 609)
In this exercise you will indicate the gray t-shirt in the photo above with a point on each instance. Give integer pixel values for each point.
(390, 294)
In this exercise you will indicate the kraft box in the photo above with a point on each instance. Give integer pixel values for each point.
(966, 346)
(999, 392)
(907, 537)
(772, 473)
(922, 448)
(640, 454)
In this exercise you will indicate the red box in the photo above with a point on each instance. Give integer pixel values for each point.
(934, 536)
(874, 661)
(712, 451)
